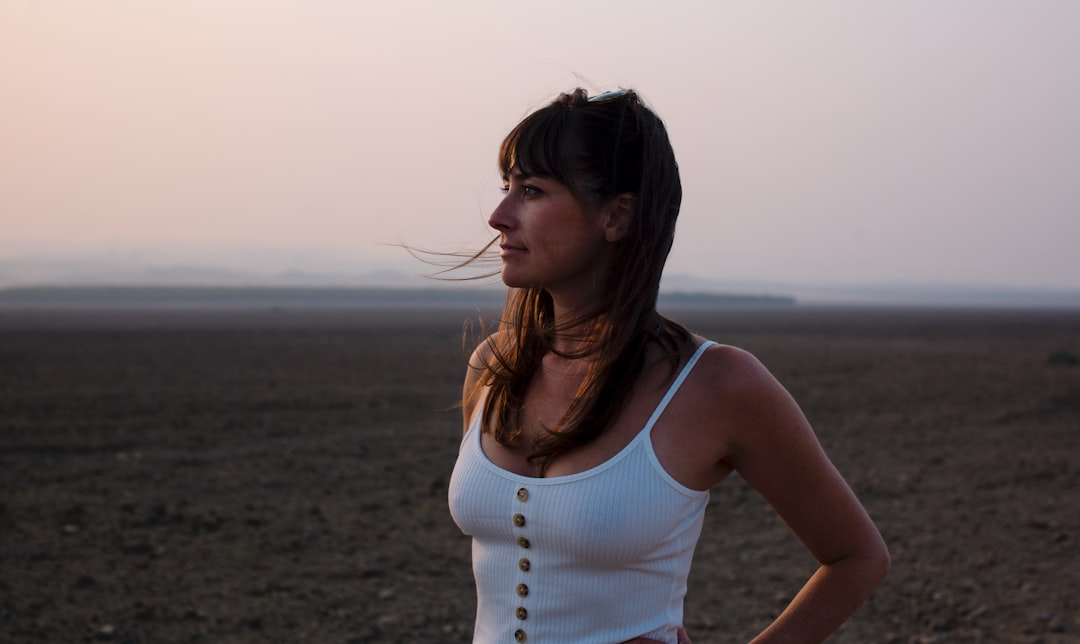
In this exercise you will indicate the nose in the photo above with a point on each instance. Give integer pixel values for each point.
(502, 218)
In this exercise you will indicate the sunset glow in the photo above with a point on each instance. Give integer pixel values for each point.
(829, 142)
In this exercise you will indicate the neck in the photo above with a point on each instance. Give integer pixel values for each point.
(575, 307)
(573, 324)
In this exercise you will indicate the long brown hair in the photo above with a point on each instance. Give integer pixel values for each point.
(598, 148)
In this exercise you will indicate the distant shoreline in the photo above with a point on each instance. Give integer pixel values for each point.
(194, 297)
(370, 298)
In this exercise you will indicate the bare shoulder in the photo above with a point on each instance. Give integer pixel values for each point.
(472, 390)
(483, 352)
(739, 400)
(732, 366)
(702, 431)
(734, 378)
(763, 429)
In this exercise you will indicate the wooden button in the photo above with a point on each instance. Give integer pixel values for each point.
(522, 590)
(523, 542)
(519, 635)
(519, 520)
(523, 495)
(522, 613)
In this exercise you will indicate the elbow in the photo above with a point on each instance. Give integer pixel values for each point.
(867, 565)
(879, 562)
(884, 565)
(870, 563)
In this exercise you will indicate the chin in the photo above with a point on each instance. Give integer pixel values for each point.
(511, 283)
(515, 281)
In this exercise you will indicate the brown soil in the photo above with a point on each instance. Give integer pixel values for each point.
(281, 475)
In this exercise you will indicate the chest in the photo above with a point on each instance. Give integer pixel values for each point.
(546, 403)
(623, 511)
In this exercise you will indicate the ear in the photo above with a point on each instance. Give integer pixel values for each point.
(617, 216)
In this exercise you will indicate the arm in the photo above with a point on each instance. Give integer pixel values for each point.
(472, 390)
(771, 445)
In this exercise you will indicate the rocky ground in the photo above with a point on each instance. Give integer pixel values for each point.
(280, 476)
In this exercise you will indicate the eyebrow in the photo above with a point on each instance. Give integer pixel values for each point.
(518, 175)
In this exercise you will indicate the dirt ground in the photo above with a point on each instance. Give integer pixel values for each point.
(280, 476)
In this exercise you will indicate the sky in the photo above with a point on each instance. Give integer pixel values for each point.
(827, 142)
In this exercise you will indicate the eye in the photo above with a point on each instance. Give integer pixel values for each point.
(530, 190)
(504, 188)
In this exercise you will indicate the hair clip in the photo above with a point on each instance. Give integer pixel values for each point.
(610, 96)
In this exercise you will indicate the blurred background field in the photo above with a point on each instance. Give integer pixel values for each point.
(258, 474)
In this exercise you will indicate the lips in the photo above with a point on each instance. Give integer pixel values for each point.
(509, 250)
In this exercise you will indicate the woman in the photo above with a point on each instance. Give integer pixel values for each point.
(594, 427)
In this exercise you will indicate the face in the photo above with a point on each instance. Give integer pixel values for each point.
(549, 239)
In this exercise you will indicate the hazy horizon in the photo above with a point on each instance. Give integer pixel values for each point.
(313, 269)
(836, 143)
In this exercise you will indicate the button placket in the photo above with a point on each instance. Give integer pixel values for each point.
(524, 565)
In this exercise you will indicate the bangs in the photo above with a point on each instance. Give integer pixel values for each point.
(535, 146)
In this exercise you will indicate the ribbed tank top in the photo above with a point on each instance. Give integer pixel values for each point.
(599, 556)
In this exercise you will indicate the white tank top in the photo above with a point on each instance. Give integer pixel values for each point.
(599, 556)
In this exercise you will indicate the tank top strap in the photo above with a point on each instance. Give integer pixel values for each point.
(674, 388)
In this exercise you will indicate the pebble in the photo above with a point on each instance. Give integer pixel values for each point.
(977, 613)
